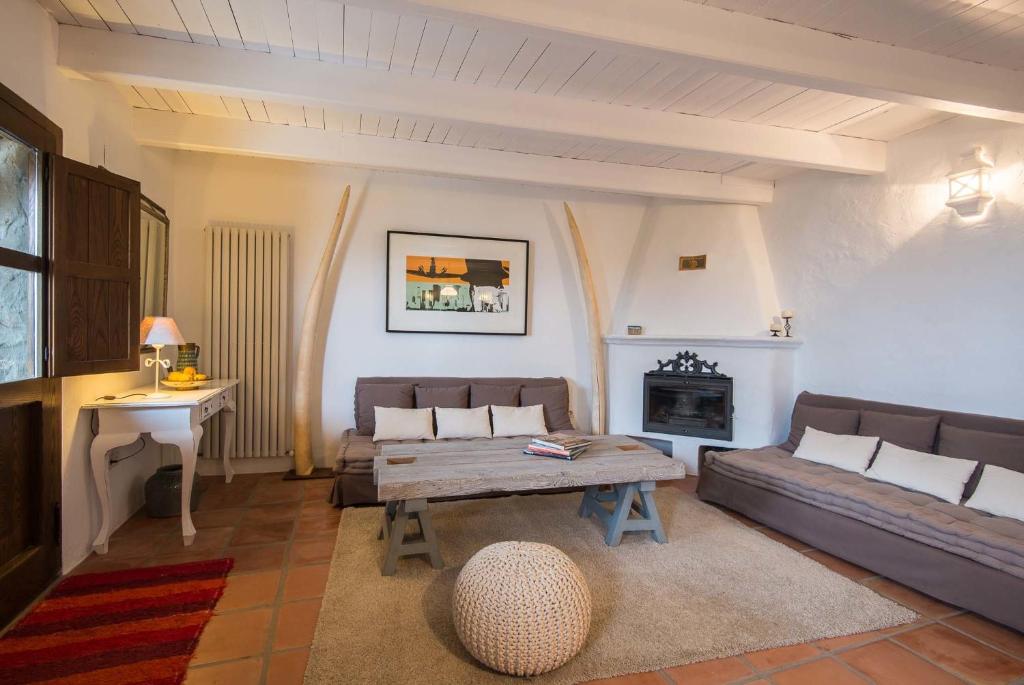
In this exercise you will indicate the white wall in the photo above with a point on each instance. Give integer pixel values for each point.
(633, 245)
(96, 126)
(900, 299)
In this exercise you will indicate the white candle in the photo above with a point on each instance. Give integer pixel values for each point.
(788, 314)
(775, 327)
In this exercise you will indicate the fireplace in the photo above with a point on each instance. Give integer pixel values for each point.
(688, 396)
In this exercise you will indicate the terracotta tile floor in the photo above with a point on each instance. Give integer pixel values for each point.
(281, 535)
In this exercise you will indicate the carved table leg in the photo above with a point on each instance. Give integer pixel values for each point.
(188, 444)
(227, 428)
(101, 444)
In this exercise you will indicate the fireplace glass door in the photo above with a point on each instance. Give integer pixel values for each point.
(682, 405)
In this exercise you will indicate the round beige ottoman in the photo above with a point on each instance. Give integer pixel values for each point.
(521, 608)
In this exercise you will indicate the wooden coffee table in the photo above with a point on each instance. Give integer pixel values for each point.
(408, 475)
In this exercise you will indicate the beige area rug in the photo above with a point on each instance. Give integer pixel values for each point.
(715, 589)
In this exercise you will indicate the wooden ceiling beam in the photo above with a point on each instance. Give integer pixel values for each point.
(751, 46)
(130, 59)
(232, 136)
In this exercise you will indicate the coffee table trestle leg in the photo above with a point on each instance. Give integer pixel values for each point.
(395, 534)
(618, 520)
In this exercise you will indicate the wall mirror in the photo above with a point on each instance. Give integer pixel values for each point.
(154, 244)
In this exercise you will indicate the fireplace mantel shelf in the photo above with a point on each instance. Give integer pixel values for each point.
(705, 340)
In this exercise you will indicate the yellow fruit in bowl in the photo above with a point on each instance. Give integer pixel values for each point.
(201, 377)
(177, 376)
(190, 371)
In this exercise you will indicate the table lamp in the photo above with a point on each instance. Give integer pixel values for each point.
(159, 331)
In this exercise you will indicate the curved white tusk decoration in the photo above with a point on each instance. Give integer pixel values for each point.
(598, 412)
(307, 340)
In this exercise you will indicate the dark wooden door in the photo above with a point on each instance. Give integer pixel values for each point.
(29, 491)
(29, 401)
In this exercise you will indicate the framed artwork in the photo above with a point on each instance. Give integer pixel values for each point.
(440, 283)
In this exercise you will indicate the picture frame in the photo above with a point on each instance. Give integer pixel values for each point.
(456, 284)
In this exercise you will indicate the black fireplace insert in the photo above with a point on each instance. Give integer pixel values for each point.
(688, 396)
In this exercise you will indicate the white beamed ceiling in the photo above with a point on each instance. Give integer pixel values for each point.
(984, 31)
(431, 48)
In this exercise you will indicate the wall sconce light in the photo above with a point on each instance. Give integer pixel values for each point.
(970, 184)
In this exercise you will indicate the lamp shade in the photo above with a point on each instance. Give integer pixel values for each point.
(160, 330)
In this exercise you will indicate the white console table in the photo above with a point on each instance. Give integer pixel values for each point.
(175, 420)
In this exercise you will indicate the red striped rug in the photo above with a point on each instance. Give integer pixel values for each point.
(124, 628)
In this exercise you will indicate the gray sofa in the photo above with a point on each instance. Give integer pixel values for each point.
(949, 551)
(354, 467)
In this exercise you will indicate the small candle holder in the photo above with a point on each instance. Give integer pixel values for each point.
(775, 329)
(787, 326)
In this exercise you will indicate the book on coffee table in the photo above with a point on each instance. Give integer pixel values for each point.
(557, 445)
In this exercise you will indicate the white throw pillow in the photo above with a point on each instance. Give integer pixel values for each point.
(943, 477)
(999, 492)
(512, 421)
(847, 452)
(463, 423)
(391, 423)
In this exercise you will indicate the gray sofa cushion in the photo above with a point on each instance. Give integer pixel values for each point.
(911, 432)
(455, 397)
(555, 399)
(502, 395)
(368, 396)
(828, 419)
(991, 540)
(1000, 449)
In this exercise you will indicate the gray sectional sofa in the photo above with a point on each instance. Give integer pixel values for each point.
(959, 555)
(354, 467)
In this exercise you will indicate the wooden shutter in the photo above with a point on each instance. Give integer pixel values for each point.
(94, 270)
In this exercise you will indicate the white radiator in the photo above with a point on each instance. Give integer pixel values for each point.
(246, 335)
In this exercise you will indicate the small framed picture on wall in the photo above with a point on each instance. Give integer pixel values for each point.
(439, 283)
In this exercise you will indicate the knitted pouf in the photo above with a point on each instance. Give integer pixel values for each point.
(521, 608)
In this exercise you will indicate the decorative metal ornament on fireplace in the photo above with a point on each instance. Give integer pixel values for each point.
(687, 395)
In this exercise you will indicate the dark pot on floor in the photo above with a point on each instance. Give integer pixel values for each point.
(163, 492)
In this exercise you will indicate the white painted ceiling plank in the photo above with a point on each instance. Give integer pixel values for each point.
(439, 132)
(85, 14)
(761, 101)
(631, 96)
(276, 25)
(455, 50)
(847, 110)
(333, 120)
(113, 14)
(249, 19)
(256, 110)
(421, 130)
(303, 19)
(556, 67)
(193, 16)
(157, 18)
(352, 122)
(358, 24)
(607, 89)
(132, 97)
(716, 109)
(489, 57)
(369, 124)
(59, 12)
(175, 101)
(432, 44)
(670, 100)
(152, 98)
(404, 127)
(314, 117)
(208, 105)
(386, 126)
(662, 87)
(235, 108)
(594, 65)
(222, 20)
(407, 42)
(712, 92)
(524, 60)
(330, 30)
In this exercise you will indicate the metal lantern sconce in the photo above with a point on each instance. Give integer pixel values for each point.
(970, 184)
